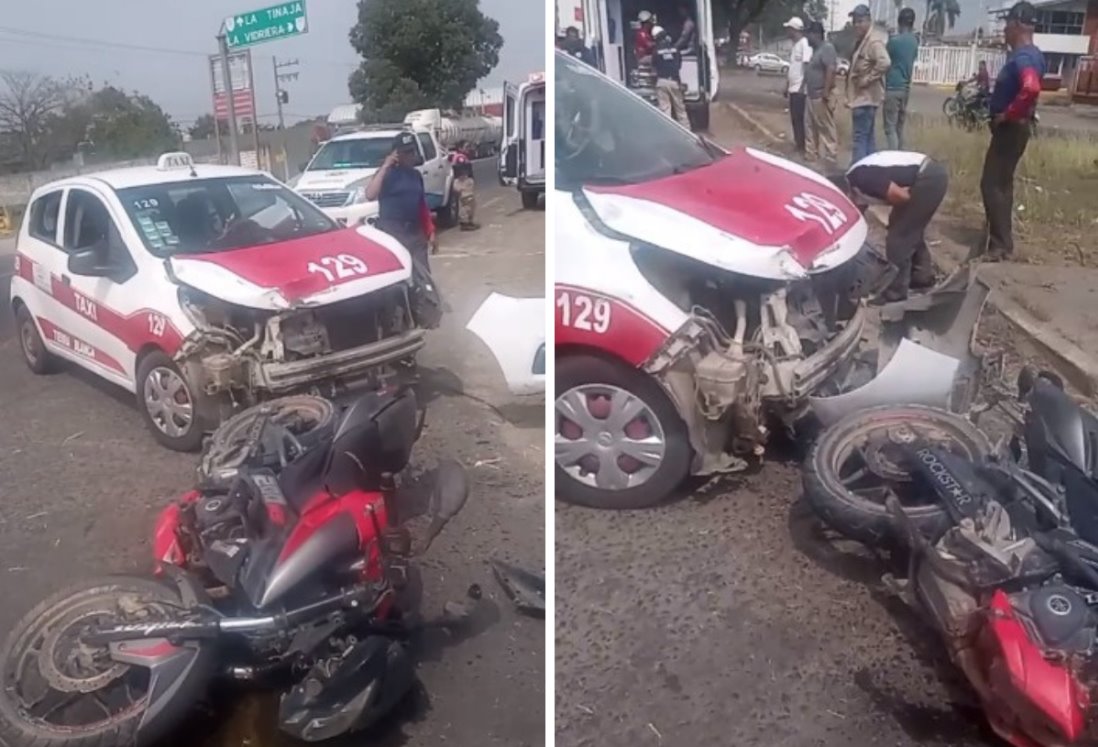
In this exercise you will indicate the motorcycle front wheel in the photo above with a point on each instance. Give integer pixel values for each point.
(60, 691)
(858, 462)
(951, 108)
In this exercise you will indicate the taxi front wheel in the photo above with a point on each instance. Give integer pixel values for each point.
(34, 350)
(169, 404)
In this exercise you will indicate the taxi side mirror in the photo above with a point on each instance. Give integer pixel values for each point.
(89, 263)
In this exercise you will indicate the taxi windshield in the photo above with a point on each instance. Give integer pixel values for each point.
(202, 216)
(606, 135)
(356, 153)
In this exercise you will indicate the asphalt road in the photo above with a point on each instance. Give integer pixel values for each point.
(81, 481)
(729, 616)
(746, 87)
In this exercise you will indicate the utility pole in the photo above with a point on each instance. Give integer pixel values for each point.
(282, 96)
(234, 145)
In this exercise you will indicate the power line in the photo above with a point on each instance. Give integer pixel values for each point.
(48, 39)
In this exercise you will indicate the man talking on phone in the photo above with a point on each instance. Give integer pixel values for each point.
(402, 201)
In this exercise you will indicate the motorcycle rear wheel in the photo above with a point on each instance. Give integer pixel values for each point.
(852, 501)
(69, 671)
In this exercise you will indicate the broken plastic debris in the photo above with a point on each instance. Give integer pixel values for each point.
(525, 589)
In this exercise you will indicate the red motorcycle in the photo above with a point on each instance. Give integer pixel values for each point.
(284, 566)
(1002, 544)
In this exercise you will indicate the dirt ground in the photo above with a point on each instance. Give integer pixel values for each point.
(81, 480)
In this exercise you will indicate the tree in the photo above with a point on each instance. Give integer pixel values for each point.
(775, 13)
(940, 15)
(113, 124)
(205, 128)
(420, 54)
(28, 104)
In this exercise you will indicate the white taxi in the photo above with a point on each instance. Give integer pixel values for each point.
(206, 288)
(336, 178)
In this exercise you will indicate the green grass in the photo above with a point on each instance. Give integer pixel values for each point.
(1055, 189)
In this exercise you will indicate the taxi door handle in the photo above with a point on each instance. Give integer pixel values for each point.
(65, 279)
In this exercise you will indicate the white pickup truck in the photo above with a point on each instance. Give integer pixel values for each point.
(335, 179)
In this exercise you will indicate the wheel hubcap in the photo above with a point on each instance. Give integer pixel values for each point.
(168, 402)
(607, 437)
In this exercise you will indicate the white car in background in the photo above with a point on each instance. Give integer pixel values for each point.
(335, 179)
(767, 62)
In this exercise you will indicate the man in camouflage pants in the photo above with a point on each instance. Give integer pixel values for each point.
(465, 189)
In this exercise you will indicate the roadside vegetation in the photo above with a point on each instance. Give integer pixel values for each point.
(1055, 192)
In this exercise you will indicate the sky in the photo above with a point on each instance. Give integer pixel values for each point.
(177, 77)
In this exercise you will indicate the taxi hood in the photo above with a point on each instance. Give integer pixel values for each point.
(334, 179)
(751, 213)
(309, 271)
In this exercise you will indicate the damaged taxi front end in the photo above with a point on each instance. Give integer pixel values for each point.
(253, 339)
(750, 353)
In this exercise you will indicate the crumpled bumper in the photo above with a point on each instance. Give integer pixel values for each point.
(810, 373)
(925, 352)
(347, 364)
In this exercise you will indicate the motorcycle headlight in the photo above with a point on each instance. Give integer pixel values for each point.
(358, 190)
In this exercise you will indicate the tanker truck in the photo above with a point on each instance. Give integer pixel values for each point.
(481, 133)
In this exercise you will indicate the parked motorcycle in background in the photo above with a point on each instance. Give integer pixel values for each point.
(968, 106)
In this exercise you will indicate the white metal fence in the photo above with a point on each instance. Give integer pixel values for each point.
(946, 65)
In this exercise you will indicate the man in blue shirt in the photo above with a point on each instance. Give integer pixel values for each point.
(1013, 106)
(402, 200)
(903, 49)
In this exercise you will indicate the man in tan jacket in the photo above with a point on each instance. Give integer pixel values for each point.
(865, 87)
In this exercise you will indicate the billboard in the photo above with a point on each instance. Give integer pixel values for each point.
(240, 72)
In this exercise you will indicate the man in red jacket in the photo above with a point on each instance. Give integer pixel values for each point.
(1013, 107)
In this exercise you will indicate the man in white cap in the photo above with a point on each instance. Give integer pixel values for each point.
(643, 43)
(798, 58)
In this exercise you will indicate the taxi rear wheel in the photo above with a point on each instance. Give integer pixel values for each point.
(39, 360)
(169, 403)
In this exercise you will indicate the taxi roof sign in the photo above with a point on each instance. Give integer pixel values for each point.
(536, 78)
(173, 161)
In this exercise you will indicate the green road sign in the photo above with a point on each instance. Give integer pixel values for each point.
(266, 24)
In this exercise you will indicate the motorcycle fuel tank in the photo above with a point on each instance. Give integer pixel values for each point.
(333, 541)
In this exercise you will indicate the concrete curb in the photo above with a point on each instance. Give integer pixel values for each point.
(753, 123)
(1071, 361)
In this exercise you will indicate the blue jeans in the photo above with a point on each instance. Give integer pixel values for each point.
(864, 136)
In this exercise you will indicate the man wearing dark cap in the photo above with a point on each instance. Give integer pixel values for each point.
(1013, 106)
(402, 200)
(865, 82)
(903, 49)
